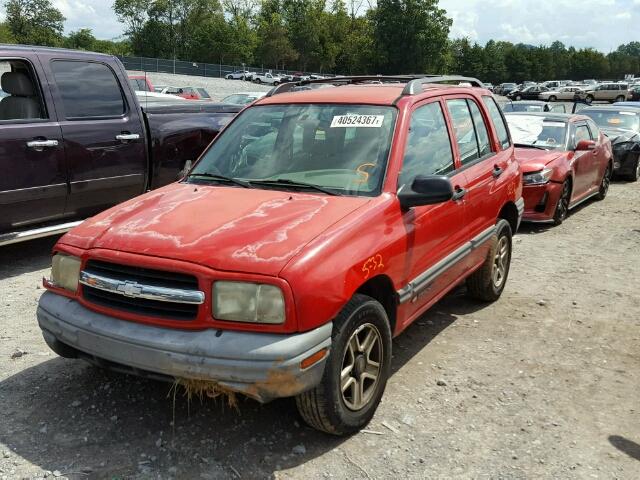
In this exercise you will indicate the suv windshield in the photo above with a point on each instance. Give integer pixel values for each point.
(538, 131)
(614, 119)
(340, 148)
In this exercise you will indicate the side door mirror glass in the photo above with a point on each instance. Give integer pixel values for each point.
(426, 190)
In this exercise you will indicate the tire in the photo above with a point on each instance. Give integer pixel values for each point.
(635, 174)
(589, 99)
(518, 98)
(275, 84)
(562, 207)
(620, 98)
(257, 80)
(553, 98)
(604, 183)
(487, 283)
(326, 407)
(229, 77)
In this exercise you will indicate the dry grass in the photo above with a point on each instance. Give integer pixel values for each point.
(202, 389)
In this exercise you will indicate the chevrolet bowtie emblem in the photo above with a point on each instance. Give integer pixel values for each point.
(129, 289)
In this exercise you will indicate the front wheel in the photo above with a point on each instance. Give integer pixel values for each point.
(257, 80)
(589, 99)
(355, 373)
(275, 84)
(604, 183)
(552, 98)
(518, 97)
(487, 283)
(562, 207)
(620, 98)
(635, 172)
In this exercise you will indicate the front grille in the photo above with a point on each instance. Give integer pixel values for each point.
(144, 276)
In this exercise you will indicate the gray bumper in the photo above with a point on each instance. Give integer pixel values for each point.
(262, 366)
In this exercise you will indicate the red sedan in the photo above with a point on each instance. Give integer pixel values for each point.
(565, 160)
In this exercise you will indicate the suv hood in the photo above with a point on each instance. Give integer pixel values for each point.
(225, 228)
(534, 159)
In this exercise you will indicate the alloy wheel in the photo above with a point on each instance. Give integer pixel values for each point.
(361, 366)
(563, 203)
(500, 262)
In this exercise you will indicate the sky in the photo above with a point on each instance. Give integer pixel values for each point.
(601, 24)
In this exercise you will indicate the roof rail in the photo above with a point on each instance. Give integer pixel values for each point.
(415, 86)
(289, 86)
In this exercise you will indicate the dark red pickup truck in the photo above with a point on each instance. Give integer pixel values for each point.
(316, 226)
(74, 139)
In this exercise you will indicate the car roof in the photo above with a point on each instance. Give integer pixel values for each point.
(372, 94)
(555, 117)
(65, 51)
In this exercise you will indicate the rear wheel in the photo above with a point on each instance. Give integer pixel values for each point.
(620, 98)
(562, 208)
(604, 183)
(552, 98)
(518, 97)
(589, 99)
(355, 373)
(488, 281)
(635, 172)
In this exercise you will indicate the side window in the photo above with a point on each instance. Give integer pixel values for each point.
(595, 131)
(428, 150)
(464, 130)
(582, 133)
(19, 93)
(498, 121)
(88, 89)
(481, 129)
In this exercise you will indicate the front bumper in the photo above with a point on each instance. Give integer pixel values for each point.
(540, 201)
(263, 366)
(625, 162)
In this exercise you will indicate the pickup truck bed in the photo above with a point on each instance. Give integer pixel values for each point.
(74, 140)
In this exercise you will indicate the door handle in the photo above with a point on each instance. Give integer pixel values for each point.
(40, 144)
(497, 171)
(458, 194)
(127, 136)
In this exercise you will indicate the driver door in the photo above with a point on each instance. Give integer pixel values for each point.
(582, 162)
(434, 232)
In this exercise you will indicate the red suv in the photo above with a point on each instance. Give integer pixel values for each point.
(318, 225)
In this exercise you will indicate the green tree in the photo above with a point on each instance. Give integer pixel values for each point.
(34, 22)
(5, 34)
(82, 39)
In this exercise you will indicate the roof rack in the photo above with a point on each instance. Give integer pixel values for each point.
(413, 86)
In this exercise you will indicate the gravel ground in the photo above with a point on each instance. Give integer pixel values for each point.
(540, 384)
(218, 88)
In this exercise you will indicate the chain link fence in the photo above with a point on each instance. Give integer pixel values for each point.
(181, 67)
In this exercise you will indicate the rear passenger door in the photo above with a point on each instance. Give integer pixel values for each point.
(33, 177)
(478, 160)
(434, 232)
(103, 135)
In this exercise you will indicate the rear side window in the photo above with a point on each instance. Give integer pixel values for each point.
(595, 131)
(481, 129)
(88, 89)
(428, 150)
(20, 98)
(464, 130)
(498, 121)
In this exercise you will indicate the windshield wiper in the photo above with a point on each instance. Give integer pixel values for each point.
(221, 178)
(292, 183)
(528, 145)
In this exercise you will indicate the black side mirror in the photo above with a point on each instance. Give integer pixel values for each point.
(426, 190)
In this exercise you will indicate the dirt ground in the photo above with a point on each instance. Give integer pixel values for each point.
(544, 383)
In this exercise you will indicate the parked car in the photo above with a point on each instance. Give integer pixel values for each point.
(576, 165)
(141, 83)
(532, 106)
(193, 93)
(243, 98)
(564, 94)
(528, 93)
(488, 86)
(268, 78)
(634, 93)
(506, 88)
(75, 139)
(551, 84)
(610, 92)
(621, 123)
(239, 75)
(340, 216)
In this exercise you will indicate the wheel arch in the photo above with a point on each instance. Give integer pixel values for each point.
(380, 288)
(509, 212)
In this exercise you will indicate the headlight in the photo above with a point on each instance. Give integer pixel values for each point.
(537, 178)
(65, 271)
(248, 302)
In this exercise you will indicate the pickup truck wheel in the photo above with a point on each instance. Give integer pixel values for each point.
(562, 207)
(356, 371)
(604, 183)
(488, 281)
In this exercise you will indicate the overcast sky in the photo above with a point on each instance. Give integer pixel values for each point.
(602, 24)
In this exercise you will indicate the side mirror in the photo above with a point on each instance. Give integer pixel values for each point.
(585, 145)
(426, 190)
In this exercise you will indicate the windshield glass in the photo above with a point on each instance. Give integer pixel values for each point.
(342, 148)
(238, 99)
(538, 131)
(613, 119)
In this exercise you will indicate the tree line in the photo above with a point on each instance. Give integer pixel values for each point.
(390, 37)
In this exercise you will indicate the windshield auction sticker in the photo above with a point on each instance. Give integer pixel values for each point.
(351, 120)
